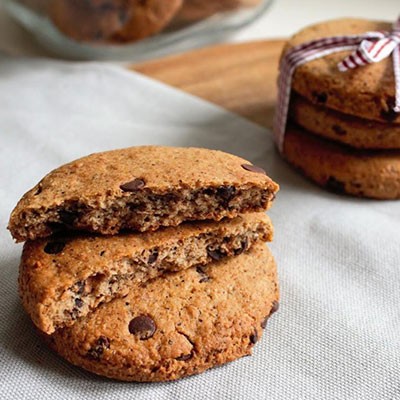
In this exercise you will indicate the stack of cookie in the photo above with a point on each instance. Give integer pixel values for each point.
(342, 131)
(171, 275)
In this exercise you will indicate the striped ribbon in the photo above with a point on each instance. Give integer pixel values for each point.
(366, 48)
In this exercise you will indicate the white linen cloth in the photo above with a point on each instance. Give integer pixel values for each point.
(337, 333)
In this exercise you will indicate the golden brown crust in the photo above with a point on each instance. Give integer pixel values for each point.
(171, 185)
(367, 92)
(353, 131)
(67, 277)
(374, 174)
(112, 20)
(178, 325)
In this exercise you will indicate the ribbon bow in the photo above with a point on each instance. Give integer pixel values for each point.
(367, 48)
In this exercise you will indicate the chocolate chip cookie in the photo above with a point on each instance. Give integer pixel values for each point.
(112, 20)
(373, 174)
(141, 189)
(66, 277)
(353, 131)
(177, 325)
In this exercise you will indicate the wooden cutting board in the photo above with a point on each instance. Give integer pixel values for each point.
(238, 77)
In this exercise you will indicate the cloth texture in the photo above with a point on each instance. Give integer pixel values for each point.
(337, 333)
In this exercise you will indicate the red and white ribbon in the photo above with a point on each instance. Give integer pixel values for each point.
(366, 48)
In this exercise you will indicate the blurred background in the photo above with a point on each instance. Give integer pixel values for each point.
(192, 27)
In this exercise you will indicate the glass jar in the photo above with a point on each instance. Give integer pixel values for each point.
(131, 29)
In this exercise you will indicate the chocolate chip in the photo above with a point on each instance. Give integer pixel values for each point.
(209, 191)
(102, 253)
(274, 308)
(238, 251)
(38, 190)
(388, 112)
(254, 337)
(253, 168)
(55, 226)
(143, 326)
(357, 185)
(78, 303)
(244, 244)
(134, 185)
(264, 323)
(204, 276)
(389, 115)
(74, 314)
(215, 254)
(184, 357)
(153, 257)
(339, 130)
(79, 287)
(226, 192)
(54, 247)
(67, 217)
(96, 351)
(320, 97)
(103, 341)
(335, 185)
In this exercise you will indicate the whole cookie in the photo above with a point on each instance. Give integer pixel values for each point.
(141, 188)
(178, 325)
(374, 174)
(353, 131)
(66, 277)
(367, 92)
(112, 20)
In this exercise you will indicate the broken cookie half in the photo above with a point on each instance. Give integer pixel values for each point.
(141, 189)
(66, 277)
